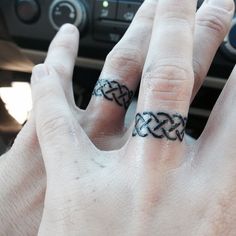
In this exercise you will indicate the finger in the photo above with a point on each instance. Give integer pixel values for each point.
(59, 135)
(220, 132)
(122, 71)
(213, 20)
(61, 56)
(167, 79)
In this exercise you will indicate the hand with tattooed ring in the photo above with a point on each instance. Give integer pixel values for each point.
(104, 179)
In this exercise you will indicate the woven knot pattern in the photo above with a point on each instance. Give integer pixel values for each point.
(113, 91)
(160, 125)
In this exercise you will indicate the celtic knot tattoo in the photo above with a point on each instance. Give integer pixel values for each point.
(113, 91)
(160, 125)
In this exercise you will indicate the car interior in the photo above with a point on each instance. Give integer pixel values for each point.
(28, 26)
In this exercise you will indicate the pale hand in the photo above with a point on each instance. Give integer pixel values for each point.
(144, 185)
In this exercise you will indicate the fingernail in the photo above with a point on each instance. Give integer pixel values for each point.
(67, 29)
(225, 4)
(39, 72)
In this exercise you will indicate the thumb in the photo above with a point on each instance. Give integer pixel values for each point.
(56, 129)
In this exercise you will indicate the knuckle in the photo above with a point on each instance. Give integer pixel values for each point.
(54, 124)
(61, 69)
(66, 44)
(169, 83)
(179, 21)
(129, 59)
(215, 22)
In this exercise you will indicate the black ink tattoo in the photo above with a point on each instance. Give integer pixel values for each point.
(113, 91)
(160, 125)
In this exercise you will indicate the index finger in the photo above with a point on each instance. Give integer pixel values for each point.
(61, 56)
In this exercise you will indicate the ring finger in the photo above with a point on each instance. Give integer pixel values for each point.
(167, 80)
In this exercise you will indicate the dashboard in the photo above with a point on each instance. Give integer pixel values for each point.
(31, 25)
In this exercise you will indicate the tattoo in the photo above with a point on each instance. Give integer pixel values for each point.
(160, 125)
(113, 91)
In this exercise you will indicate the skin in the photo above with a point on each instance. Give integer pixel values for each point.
(90, 153)
(135, 190)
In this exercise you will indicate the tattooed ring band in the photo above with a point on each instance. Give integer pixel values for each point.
(113, 91)
(160, 125)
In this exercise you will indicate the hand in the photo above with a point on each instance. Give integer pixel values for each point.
(23, 183)
(133, 189)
